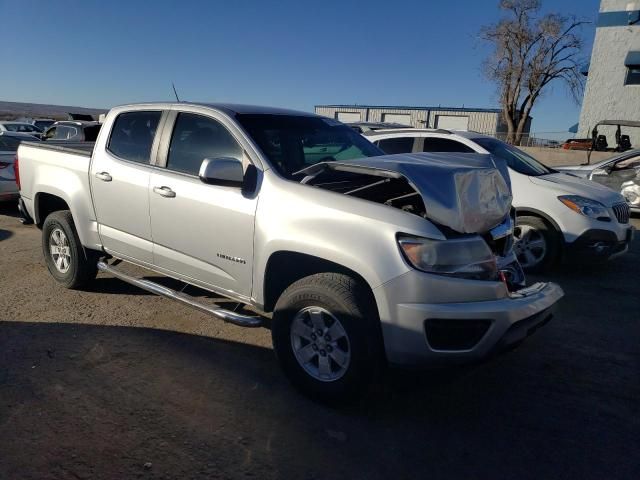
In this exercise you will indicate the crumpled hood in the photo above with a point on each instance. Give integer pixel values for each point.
(565, 184)
(467, 192)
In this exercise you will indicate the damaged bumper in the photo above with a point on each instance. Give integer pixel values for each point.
(424, 323)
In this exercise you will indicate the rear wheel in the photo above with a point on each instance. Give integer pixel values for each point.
(537, 244)
(326, 336)
(68, 262)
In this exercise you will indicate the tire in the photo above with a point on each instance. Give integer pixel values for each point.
(354, 356)
(73, 266)
(536, 239)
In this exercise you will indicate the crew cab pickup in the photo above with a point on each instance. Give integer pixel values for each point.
(362, 259)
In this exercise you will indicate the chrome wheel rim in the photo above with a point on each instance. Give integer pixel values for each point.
(60, 250)
(530, 246)
(320, 344)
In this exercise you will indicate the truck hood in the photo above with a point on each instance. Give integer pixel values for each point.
(565, 184)
(463, 191)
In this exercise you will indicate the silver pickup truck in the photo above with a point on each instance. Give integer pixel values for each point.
(362, 259)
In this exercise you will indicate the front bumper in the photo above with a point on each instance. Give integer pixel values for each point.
(454, 332)
(597, 244)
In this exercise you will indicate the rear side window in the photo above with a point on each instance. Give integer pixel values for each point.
(196, 137)
(132, 135)
(396, 145)
(432, 144)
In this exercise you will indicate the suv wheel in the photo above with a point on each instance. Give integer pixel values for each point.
(537, 244)
(327, 337)
(68, 262)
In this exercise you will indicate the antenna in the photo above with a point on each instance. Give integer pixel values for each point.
(174, 91)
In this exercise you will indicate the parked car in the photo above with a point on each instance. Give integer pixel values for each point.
(620, 172)
(9, 142)
(73, 131)
(558, 214)
(361, 258)
(20, 127)
(578, 144)
(43, 123)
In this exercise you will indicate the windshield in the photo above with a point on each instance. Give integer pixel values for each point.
(515, 158)
(293, 142)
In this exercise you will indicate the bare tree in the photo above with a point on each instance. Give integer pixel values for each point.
(530, 52)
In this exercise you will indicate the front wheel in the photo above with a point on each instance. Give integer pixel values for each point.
(537, 244)
(68, 262)
(326, 336)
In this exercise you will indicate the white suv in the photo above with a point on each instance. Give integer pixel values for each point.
(559, 215)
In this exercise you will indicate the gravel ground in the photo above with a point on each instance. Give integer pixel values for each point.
(116, 383)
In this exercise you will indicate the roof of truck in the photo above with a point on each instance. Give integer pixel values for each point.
(230, 108)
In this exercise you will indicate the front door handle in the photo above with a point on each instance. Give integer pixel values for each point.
(104, 176)
(164, 191)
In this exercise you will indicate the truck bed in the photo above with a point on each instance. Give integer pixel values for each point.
(77, 148)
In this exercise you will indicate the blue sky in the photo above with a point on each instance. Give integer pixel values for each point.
(285, 53)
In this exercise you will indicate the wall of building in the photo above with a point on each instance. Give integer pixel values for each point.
(606, 96)
(554, 157)
(489, 122)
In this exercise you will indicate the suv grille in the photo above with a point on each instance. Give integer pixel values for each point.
(622, 212)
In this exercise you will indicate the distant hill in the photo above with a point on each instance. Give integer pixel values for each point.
(15, 110)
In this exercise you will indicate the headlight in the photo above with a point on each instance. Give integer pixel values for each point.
(585, 206)
(461, 257)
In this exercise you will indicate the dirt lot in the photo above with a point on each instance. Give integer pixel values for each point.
(116, 383)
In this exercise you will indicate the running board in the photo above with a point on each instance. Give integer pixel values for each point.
(221, 313)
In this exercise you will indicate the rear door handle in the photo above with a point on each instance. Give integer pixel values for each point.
(164, 191)
(104, 176)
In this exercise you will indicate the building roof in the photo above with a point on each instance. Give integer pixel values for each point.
(400, 107)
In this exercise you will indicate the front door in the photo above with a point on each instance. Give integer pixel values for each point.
(202, 232)
(120, 176)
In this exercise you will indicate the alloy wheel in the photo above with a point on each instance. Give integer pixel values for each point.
(320, 344)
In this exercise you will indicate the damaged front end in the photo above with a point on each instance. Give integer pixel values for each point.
(466, 196)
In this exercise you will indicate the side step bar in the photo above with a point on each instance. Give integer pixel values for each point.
(221, 313)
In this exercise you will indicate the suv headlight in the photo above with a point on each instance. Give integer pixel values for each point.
(586, 206)
(468, 257)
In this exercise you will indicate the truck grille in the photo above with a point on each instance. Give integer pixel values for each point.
(622, 212)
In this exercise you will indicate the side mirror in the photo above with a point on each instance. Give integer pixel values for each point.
(599, 172)
(223, 171)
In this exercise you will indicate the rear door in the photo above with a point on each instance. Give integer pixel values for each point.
(203, 233)
(120, 173)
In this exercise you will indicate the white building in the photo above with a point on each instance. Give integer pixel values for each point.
(613, 82)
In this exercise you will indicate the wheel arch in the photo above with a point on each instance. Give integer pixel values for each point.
(285, 267)
(533, 212)
(45, 204)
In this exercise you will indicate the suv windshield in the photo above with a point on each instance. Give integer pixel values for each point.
(292, 142)
(515, 158)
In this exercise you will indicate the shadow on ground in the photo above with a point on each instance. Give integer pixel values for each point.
(99, 402)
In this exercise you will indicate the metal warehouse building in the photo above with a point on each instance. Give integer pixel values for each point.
(483, 120)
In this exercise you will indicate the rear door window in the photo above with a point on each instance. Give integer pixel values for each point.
(396, 145)
(435, 144)
(132, 135)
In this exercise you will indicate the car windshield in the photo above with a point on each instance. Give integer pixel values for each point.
(515, 158)
(293, 142)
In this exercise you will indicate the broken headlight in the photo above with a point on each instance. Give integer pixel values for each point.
(467, 257)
